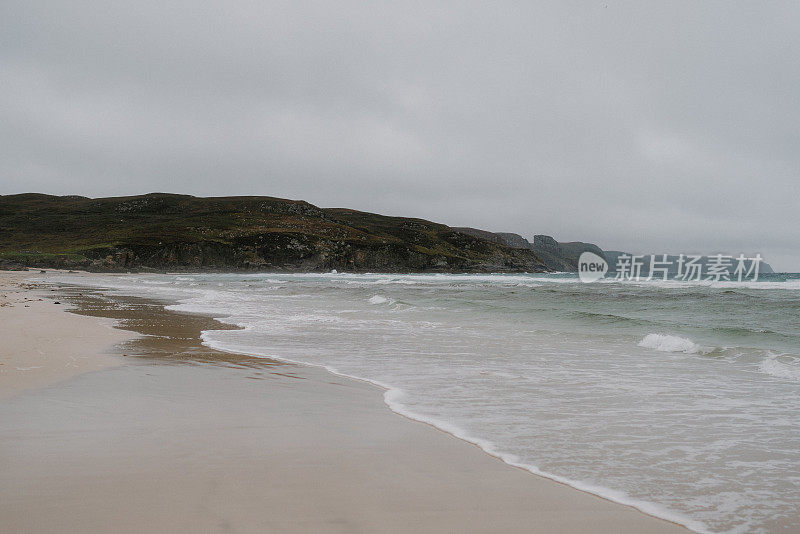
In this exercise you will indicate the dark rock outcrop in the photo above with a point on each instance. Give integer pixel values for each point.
(513, 240)
(545, 242)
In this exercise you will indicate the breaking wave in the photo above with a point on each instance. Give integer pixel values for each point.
(667, 343)
(779, 367)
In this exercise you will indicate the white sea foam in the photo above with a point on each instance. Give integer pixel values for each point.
(667, 343)
(772, 365)
(378, 299)
(790, 285)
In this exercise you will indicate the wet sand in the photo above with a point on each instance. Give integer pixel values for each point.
(182, 438)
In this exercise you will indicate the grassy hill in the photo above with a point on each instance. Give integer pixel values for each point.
(181, 232)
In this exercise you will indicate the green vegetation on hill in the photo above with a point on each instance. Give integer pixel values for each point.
(181, 232)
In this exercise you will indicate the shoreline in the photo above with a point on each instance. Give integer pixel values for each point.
(647, 508)
(477, 468)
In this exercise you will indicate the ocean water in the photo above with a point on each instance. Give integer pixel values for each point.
(679, 398)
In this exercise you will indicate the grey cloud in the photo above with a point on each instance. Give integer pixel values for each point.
(648, 126)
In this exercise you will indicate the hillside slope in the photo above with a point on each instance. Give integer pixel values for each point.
(161, 231)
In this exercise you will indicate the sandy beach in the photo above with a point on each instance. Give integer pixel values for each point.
(177, 437)
(43, 345)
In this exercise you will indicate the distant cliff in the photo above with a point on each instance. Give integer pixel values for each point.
(181, 232)
(557, 256)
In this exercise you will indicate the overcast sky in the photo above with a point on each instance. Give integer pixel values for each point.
(647, 127)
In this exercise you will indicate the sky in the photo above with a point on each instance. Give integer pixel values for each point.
(650, 127)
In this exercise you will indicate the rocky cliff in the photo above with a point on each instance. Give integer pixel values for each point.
(557, 256)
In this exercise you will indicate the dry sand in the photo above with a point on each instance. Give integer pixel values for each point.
(185, 439)
(40, 344)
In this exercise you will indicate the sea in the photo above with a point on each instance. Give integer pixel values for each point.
(681, 399)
